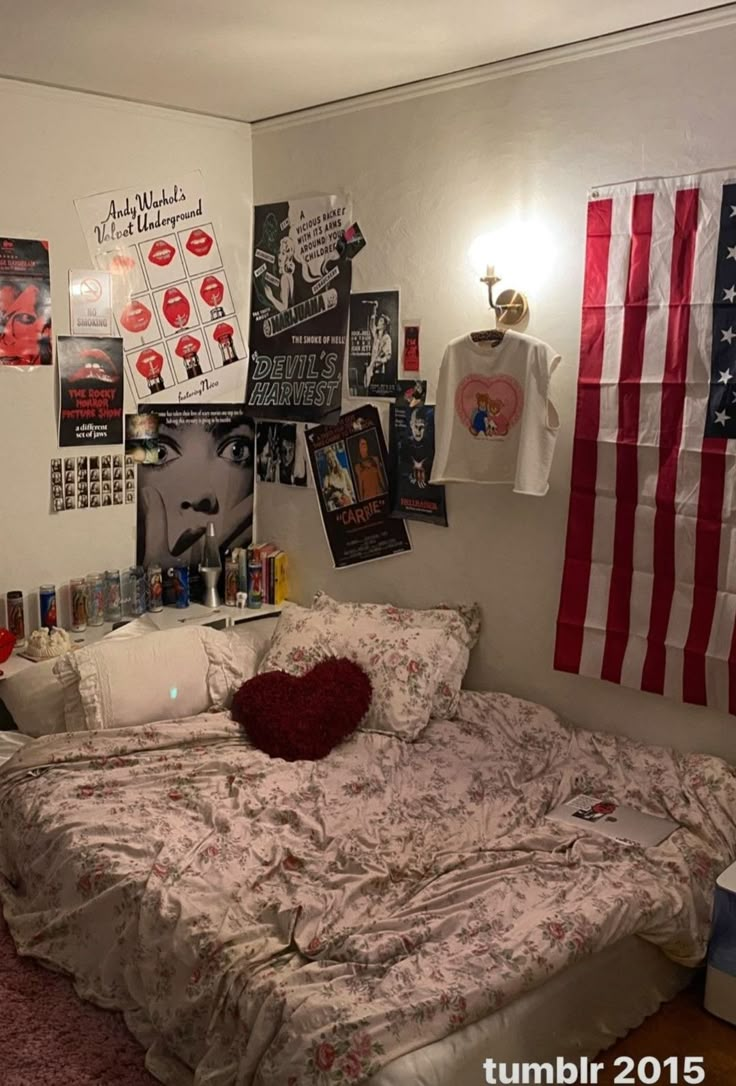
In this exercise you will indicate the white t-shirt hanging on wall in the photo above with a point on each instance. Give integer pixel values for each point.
(495, 422)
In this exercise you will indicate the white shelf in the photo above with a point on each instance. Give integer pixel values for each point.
(171, 618)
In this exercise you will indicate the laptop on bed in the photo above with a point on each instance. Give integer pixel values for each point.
(603, 815)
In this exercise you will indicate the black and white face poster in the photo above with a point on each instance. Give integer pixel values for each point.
(349, 465)
(90, 390)
(411, 443)
(300, 291)
(373, 359)
(25, 303)
(201, 471)
(281, 453)
(175, 302)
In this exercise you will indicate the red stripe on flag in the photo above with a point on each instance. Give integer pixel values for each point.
(674, 389)
(579, 545)
(627, 467)
(707, 550)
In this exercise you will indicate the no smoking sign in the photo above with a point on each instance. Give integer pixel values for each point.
(90, 303)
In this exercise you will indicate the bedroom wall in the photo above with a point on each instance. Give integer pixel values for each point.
(60, 145)
(427, 174)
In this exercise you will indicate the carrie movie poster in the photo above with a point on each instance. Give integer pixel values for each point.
(178, 302)
(90, 390)
(199, 470)
(300, 295)
(373, 360)
(25, 303)
(349, 465)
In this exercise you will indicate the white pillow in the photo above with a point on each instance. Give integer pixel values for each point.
(404, 665)
(35, 700)
(166, 675)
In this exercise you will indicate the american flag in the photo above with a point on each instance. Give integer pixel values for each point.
(649, 584)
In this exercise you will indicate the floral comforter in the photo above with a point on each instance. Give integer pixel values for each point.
(302, 924)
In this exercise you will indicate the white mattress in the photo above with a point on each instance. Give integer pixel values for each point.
(579, 1012)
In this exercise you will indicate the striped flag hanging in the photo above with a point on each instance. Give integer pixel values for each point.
(648, 593)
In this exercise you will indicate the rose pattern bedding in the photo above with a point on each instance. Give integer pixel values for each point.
(302, 924)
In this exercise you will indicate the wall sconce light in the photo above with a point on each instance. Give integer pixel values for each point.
(510, 306)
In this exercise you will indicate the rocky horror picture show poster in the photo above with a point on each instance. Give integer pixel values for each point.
(300, 296)
(349, 466)
(411, 447)
(25, 303)
(90, 390)
(201, 469)
(373, 361)
(178, 306)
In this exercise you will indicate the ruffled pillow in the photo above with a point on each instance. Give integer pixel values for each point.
(461, 623)
(166, 675)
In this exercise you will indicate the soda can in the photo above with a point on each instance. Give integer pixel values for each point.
(155, 588)
(255, 584)
(180, 575)
(232, 580)
(113, 595)
(78, 593)
(138, 600)
(16, 617)
(95, 599)
(47, 605)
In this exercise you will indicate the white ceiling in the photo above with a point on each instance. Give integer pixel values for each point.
(249, 60)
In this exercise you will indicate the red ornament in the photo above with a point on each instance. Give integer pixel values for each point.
(7, 643)
(176, 308)
(187, 347)
(199, 242)
(161, 253)
(212, 290)
(149, 363)
(136, 317)
(303, 718)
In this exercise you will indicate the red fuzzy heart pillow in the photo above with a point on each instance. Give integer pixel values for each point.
(303, 717)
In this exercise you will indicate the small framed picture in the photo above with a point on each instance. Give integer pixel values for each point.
(56, 464)
(69, 463)
(94, 488)
(68, 476)
(129, 497)
(94, 501)
(57, 491)
(58, 505)
(94, 462)
(56, 478)
(69, 503)
(83, 501)
(94, 475)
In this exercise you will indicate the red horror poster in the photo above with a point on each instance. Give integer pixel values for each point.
(90, 390)
(25, 303)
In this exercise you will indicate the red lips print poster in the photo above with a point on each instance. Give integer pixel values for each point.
(171, 289)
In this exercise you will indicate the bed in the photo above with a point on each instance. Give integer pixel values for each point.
(392, 914)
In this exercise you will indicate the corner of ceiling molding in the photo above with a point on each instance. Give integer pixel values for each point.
(679, 26)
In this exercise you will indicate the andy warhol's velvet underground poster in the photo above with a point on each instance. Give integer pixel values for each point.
(199, 470)
(90, 390)
(349, 465)
(300, 298)
(25, 303)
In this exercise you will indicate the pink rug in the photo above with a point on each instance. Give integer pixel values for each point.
(51, 1038)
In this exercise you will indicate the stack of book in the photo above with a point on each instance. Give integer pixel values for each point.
(274, 571)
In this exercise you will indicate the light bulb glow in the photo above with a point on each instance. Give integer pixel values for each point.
(521, 252)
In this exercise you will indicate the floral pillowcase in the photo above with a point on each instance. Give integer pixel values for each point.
(405, 665)
(461, 624)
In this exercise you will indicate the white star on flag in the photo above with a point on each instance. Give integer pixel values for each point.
(728, 336)
(725, 377)
(733, 212)
(731, 252)
(730, 294)
(722, 417)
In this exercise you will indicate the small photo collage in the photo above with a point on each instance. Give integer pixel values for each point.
(91, 482)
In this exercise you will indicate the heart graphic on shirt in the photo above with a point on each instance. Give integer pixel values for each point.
(489, 407)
